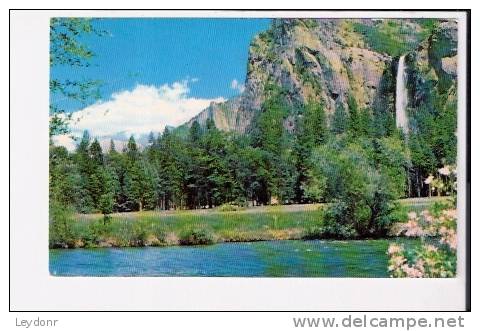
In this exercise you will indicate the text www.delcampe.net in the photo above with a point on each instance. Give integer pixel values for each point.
(351, 321)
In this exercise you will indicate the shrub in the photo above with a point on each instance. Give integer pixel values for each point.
(315, 190)
(94, 233)
(438, 207)
(399, 213)
(314, 232)
(197, 236)
(160, 234)
(336, 222)
(140, 233)
(61, 226)
(106, 206)
(361, 194)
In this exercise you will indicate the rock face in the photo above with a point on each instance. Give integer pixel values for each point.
(435, 60)
(321, 60)
(228, 115)
(442, 53)
(324, 60)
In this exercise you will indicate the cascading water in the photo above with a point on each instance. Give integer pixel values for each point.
(401, 94)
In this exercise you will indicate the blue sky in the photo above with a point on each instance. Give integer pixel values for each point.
(157, 72)
(157, 51)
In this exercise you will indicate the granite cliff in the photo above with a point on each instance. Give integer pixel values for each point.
(329, 60)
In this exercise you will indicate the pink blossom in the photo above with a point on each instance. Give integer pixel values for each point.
(450, 213)
(396, 261)
(448, 237)
(420, 265)
(427, 216)
(412, 272)
(412, 215)
(428, 180)
(412, 229)
(394, 249)
(444, 171)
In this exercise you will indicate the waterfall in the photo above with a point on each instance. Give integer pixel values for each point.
(401, 117)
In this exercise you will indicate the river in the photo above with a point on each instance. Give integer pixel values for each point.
(289, 258)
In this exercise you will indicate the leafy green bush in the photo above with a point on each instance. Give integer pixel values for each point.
(61, 228)
(106, 205)
(94, 232)
(140, 233)
(400, 213)
(197, 236)
(438, 207)
(355, 177)
(337, 223)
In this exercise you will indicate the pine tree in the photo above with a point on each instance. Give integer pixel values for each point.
(132, 149)
(82, 151)
(354, 122)
(311, 132)
(140, 186)
(86, 169)
(112, 148)
(195, 133)
(270, 136)
(313, 126)
(339, 120)
(219, 184)
(65, 180)
(116, 168)
(95, 153)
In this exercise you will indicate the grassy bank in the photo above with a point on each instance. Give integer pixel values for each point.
(191, 227)
(196, 227)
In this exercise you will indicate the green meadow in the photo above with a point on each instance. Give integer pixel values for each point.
(203, 226)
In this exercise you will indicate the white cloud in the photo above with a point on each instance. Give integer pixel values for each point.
(64, 140)
(144, 109)
(235, 85)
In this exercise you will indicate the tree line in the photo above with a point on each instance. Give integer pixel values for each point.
(207, 167)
